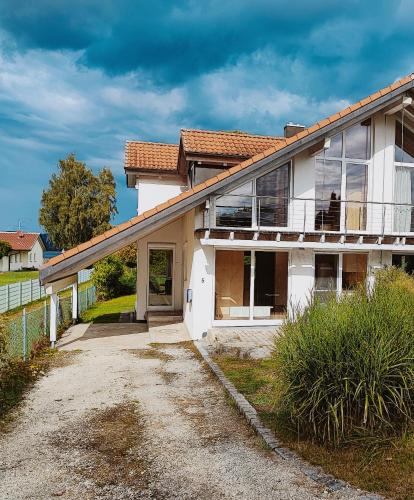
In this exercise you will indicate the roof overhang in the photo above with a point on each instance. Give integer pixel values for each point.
(156, 219)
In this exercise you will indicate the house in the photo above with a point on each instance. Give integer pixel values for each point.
(26, 251)
(236, 229)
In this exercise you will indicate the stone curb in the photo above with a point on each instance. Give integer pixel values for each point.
(250, 414)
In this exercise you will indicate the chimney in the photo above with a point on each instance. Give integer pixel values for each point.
(292, 129)
(20, 234)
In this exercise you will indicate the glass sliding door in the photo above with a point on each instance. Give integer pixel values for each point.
(356, 196)
(270, 285)
(326, 275)
(160, 277)
(272, 191)
(328, 181)
(232, 294)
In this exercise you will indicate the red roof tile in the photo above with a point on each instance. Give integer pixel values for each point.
(238, 144)
(19, 240)
(151, 155)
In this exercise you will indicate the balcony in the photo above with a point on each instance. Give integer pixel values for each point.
(309, 215)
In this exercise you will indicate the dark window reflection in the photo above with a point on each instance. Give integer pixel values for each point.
(404, 144)
(358, 141)
(272, 192)
(328, 176)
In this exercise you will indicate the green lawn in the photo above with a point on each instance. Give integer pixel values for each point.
(386, 468)
(110, 310)
(14, 276)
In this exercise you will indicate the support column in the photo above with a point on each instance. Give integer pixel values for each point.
(75, 303)
(53, 318)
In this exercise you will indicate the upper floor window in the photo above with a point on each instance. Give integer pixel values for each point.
(404, 144)
(341, 180)
(404, 179)
(262, 202)
(353, 143)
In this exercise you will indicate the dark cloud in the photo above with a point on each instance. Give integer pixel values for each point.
(85, 75)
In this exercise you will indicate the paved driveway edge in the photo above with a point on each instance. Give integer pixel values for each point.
(250, 414)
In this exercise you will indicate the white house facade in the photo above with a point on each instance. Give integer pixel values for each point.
(266, 223)
(27, 251)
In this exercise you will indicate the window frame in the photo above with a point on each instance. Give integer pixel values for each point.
(254, 222)
(250, 320)
(344, 161)
(404, 165)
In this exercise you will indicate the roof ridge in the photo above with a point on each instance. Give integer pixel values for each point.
(237, 134)
(152, 142)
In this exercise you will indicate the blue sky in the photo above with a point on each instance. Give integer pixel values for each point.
(84, 76)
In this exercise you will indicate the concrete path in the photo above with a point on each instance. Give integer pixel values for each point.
(121, 419)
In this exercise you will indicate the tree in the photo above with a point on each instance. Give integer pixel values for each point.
(5, 248)
(128, 255)
(78, 204)
(106, 277)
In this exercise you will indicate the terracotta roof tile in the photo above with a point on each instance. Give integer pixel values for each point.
(281, 143)
(236, 144)
(19, 240)
(151, 156)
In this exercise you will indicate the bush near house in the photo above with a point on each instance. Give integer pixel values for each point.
(113, 278)
(346, 368)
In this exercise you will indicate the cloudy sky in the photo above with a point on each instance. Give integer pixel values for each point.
(83, 76)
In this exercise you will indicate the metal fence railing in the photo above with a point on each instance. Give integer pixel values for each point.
(28, 328)
(23, 292)
(309, 215)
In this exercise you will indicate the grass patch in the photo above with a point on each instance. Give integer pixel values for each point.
(384, 467)
(15, 276)
(151, 354)
(109, 311)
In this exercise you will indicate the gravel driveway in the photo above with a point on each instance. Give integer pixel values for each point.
(124, 419)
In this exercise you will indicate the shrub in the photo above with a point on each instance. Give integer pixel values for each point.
(106, 277)
(346, 368)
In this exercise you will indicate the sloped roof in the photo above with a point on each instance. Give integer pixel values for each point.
(238, 144)
(315, 131)
(151, 156)
(19, 240)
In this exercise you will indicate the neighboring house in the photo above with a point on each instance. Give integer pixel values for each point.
(241, 230)
(26, 251)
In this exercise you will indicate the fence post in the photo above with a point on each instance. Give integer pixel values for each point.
(7, 297)
(20, 293)
(74, 303)
(31, 290)
(45, 316)
(24, 322)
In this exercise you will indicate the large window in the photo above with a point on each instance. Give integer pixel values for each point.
(238, 272)
(404, 179)
(341, 180)
(328, 278)
(262, 202)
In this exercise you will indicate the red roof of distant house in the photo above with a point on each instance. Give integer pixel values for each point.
(19, 240)
(151, 156)
(239, 144)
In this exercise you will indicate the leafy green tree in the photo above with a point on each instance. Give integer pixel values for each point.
(78, 204)
(106, 277)
(128, 255)
(5, 248)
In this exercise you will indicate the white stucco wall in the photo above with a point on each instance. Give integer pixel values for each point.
(34, 258)
(301, 277)
(153, 191)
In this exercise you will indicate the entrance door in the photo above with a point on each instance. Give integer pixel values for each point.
(160, 278)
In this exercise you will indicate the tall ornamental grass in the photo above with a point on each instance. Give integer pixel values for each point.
(346, 368)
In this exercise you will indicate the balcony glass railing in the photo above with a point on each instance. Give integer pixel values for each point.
(312, 215)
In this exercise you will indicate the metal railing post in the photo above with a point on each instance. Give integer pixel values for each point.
(24, 326)
(383, 220)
